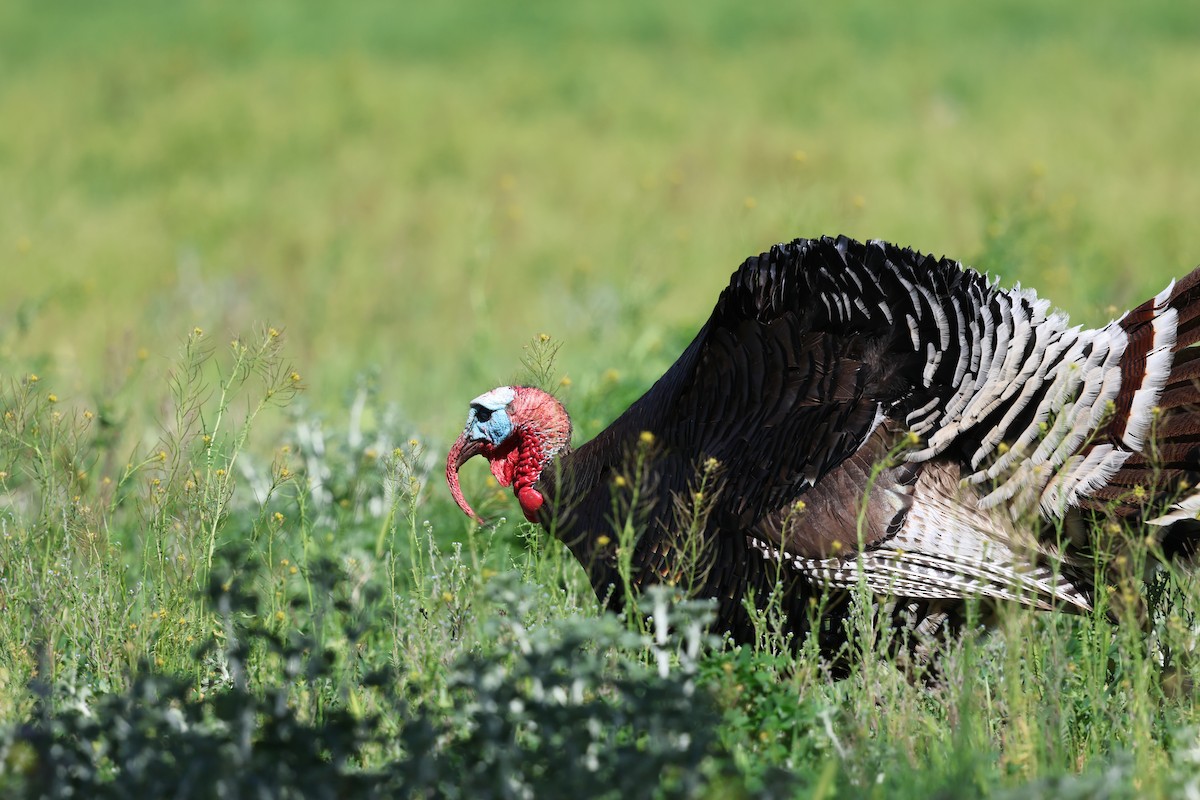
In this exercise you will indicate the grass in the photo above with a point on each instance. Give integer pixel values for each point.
(258, 260)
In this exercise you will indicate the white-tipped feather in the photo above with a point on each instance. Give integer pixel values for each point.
(914, 331)
(1188, 508)
(945, 549)
(1042, 388)
(1063, 390)
(1161, 299)
(828, 308)
(939, 318)
(887, 312)
(1030, 379)
(912, 292)
(1158, 367)
(921, 420)
(964, 350)
(933, 357)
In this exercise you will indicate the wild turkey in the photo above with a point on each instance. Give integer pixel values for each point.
(1005, 441)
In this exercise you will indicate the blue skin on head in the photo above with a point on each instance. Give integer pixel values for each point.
(488, 423)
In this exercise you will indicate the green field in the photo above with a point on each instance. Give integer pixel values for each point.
(258, 257)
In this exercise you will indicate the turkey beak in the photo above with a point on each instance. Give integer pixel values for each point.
(459, 454)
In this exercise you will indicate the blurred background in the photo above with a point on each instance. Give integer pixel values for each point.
(413, 191)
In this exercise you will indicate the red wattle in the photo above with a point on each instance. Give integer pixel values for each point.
(531, 500)
(503, 469)
(526, 468)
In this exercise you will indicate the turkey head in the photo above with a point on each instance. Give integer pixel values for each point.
(518, 429)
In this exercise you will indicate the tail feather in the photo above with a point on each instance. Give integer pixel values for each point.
(1185, 298)
(1177, 428)
(1167, 455)
(1189, 332)
(1182, 395)
(1185, 354)
(1150, 479)
(1164, 408)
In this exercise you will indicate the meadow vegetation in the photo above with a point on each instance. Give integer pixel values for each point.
(258, 258)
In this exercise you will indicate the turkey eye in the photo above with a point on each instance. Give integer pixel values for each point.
(483, 414)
